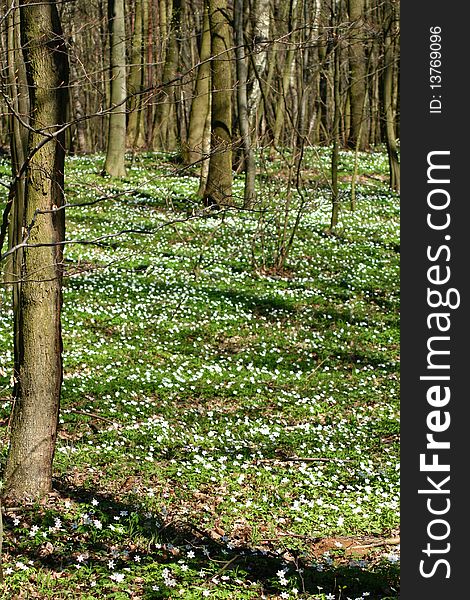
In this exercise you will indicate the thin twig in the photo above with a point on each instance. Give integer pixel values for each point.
(296, 459)
(227, 565)
(293, 535)
(93, 416)
(388, 542)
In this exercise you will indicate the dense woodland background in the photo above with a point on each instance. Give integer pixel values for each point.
(204, 350)
(312, 72)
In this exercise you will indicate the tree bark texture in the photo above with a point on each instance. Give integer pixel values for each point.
(335, 133)
(242, 101)
(357, 64)
(219, 180)
(200, 105)
(38, 351)
(79, 139)
(392, 146)
(17, 89)
(116, 147)
(259, 57)
(135, 134)
(287, 74)
(165, 129)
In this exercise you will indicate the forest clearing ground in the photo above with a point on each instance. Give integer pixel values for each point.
(227, 430)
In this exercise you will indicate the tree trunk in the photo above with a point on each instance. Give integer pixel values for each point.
(357, 62)
(17, 88)
(392, 148)
(205, 149)
(164, 129)
(265, 91)
(242, 100)
(116, 148)
(135, 137)
(79, 143)
(261, 23)
(38, 348)
(374, 95)
(219, 180)
(287, 75)
(200, 106)
(335, 134)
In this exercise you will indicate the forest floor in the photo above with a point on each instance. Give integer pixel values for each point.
(229, 428)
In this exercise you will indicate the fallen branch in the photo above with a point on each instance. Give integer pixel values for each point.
(395, 541)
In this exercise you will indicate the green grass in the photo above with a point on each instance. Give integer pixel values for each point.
(226, 431)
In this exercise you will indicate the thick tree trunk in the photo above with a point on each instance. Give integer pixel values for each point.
(38, 359)
(242, 99)
(116, 147)
(219, 180)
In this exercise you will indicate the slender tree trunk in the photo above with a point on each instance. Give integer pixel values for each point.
(200, 106)
(357, 148)
(103, 40)
(304, 82)
(265, 91)
(392, 147)
(219, 180)
(205, 149)
(79, 141)
(165, 129)
(374, 95)
(17, 87)
(335, 135)
(357, 63)
(242, 99)
(165, 8)
(142, 136)
(38, 358)
(151, 60)
(286, 76)
(313, 115)
(261, 24)
(135, 137)
(116, 148)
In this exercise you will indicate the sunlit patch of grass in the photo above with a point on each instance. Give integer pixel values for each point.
(218, 419)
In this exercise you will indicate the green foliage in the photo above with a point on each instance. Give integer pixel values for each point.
(219, 421)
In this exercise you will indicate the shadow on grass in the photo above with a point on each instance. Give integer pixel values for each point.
(150, 543)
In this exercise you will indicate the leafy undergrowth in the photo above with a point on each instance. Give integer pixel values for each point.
(228, 429)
